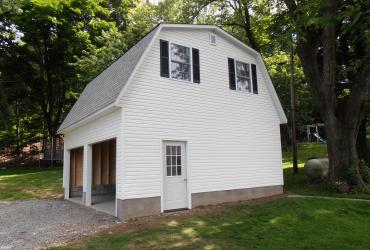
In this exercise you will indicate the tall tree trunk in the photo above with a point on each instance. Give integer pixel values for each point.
(362, 148)
(317, 49)
(344, 162)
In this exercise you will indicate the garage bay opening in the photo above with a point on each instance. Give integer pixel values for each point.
(103, 189)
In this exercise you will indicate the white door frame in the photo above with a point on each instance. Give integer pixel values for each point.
(188, 169)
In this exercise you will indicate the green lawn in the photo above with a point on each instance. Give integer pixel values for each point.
(285, 223)
(280, 223)
(17, 184)
(297, 183)
(305, 151)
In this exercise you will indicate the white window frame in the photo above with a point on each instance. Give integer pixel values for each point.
(176, 165)
(210, 39)
(190, 62)
(236, 77)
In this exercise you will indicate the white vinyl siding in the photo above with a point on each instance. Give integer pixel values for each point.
(233, 138)
(103, 128)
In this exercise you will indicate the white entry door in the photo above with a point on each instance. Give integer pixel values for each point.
(175, 177)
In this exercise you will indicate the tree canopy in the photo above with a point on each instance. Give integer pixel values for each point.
(50, 49)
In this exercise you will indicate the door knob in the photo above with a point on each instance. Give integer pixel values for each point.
(185, 179)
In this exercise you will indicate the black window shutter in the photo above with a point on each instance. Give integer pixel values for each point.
(196, 70)
(254, 79)
(231, 73)
(164, 58)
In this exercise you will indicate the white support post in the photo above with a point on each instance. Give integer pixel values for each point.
(66, 171)
(87, 175)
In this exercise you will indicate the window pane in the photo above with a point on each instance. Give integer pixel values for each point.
(180, 71)
(174, 171)
(178, 150)
(168, 160)
(178, 170)
(168, 150)
(243, 84)
(242, 69)
(168, 171)
(180, 53)
(178, 160)
(173, 160)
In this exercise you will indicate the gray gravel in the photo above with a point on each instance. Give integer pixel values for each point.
(35, 224)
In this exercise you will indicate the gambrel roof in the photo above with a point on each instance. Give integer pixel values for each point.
(105, 90)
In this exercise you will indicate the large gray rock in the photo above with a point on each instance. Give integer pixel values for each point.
(317, 169)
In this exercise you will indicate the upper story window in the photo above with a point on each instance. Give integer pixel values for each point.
(242, 76)
(180, 62)
(243, 82)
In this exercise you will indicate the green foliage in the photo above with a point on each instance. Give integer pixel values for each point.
(40, 44)
(365, 171)
(97, 57)
(299, 183)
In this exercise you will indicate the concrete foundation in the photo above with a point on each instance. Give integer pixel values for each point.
(75, 192)
(132, 208)
(209, 198)
(95, 190)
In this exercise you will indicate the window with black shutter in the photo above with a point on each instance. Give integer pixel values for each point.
(231, 64)
(179, 62)
(254, 79)
(164, 58)
(196, 71)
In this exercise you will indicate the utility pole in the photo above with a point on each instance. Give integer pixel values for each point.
(293, 108)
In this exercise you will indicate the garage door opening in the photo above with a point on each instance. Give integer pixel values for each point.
(103, 184)
(76, 174)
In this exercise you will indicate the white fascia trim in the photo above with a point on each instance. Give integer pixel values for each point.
(110, 108)
(258, 56)
(271, 88)
(237, 41)
(129, 80)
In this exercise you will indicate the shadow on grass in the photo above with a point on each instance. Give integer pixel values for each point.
(276, 224)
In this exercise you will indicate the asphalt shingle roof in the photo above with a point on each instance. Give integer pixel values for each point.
(105, 88)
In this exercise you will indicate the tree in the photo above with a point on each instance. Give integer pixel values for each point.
(45, 38)
(333, 46)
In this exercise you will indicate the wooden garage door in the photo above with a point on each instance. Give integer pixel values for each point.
(104, 163)
(76, 167)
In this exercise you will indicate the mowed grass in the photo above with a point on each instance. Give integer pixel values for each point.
(284, 223)
(18, 184)
(298, 184)
(305, 151)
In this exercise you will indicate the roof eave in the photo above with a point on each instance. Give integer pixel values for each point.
(106, 110)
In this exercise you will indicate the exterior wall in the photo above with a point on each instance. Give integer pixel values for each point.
(233, 138)
(103, 128)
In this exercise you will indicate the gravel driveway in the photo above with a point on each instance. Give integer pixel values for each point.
(34, 224)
